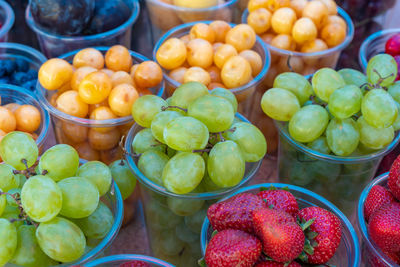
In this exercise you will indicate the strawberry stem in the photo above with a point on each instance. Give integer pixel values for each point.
(307, 224)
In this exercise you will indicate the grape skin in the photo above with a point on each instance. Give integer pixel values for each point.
(279, 104)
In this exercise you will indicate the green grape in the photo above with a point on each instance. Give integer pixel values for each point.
(295, 83)
(325, 81)
(183, 172)
(345, 102)
(279, 104)
(195, 221)
(180, 111)
(207, 184)
(250, 139)
(225, 164)
(60, 161)
(187, 92)
(11, 212)
(382, 70)
(61, 240)
(184, 207)
(226, 94)
(160, 121)
(342, 136)
(185, 234)
(16, 192)
(79, 197)
(396, 124)
(3, 203)
(123, 177)
(353, 77)
(308, 123)
(372, 137)
(144, 140)
(151, 163)
(8, 241)
(320, 144)
(17, 147)
(98, 173)
(28, 253)
(169, 244)
(8, 179)
(160, 217)
(186, 134)
(41, 198)
(98, 224)
(145, 108)
(22, 180)
(215, 112)
(394, 91)
(379, 109)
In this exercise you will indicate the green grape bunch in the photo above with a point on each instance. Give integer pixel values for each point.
(192, 141)
(339, 111)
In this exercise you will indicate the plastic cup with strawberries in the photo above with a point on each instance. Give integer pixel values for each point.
(54, 45)
(6, 20)
(348, 252)
(173, 220)
(128, 260)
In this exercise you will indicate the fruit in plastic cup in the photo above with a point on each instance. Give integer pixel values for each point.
(174, 221)
(117, 260)
(242, 93)
(53, 45)
(6, 20)
(80, 132)
(15, 94)
(348, 252)
(338, 179)
(165, 16)
(372, 255)
(26, 53)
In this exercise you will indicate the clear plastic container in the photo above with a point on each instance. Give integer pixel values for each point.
(373, 45)
(372, 255)
(348, 252)
(53, 45)
(117, 260)
(76, 131)
(338, 179)
(19, 51)
(6, 20)
(166, 16)
(175, 238)
(243, 93)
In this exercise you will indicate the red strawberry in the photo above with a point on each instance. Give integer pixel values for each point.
(394, 178)
(376, 261)
(277, 264)
(384, 227)
(280, 200)
(235, 213)
(282, 238)
(135, 264)
(325, 234)
(230, 248)
(377, 197)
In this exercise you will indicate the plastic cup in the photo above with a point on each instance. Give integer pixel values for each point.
(174, 221)
(19, 51)
(53, 45)
(348, 252)
(6, 20)
(243, 93)
(338, 179)
(166, 16)
(372, 254)
(117, 260)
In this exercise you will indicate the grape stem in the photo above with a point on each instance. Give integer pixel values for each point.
(22, 215)
(288, 63)
(28, 172)
(313, 100)
(381, 79)
(202, 150)
(165, 108)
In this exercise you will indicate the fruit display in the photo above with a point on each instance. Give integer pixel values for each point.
(216, 54)
(378, 219)
(264, 225)
(185, 151)
(128, 260)
(7, 18)
(52, 210)
(90, 99)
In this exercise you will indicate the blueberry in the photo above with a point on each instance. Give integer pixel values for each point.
(4, 80)
(7, 67)
(22, 65)
(31, 74)
(30, 85)
(19, 78)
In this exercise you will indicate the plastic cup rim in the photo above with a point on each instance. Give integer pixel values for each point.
(30, 50)
(189, 9)
(10, 18)
(128, 257)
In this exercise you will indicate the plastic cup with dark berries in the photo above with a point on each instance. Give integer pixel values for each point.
(81, 23)
(128, 260)
(7, 18)
(273, 223)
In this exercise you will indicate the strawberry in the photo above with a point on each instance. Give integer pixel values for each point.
(277, 264)
(282, 238)
(280, 200)
(235, 213)
(233, 248)
(324, 234)
(394, 178)
(135, 264)
(384, 227)
(377, 197)
(376, 261)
